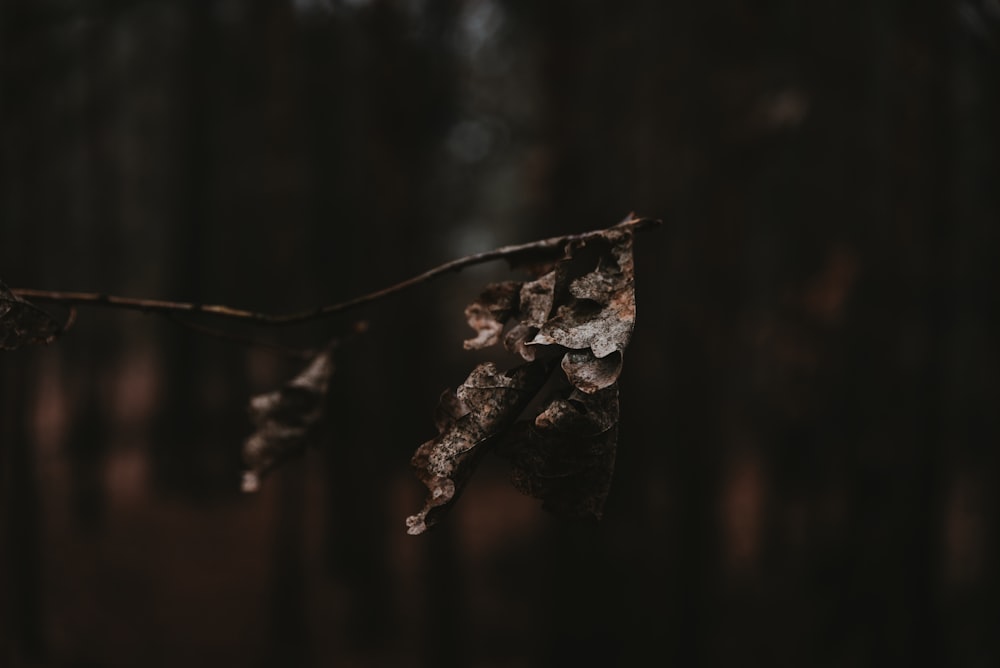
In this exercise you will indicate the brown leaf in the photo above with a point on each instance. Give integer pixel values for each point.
(580, 308)
(566, 457)
(287, 419)
(487, 314)
(600, 314)
(590, 373)
(483, 406)
(594, 314)
(22, 323)
(536, 300)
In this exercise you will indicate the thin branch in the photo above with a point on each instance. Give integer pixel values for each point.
(540, 247)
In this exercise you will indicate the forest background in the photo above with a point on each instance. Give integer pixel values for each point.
(807, 468)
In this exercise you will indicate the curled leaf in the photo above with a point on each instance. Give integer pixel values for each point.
(286, 419)
(483, 406)
(590, 373)
(536, 300)
(22, 323)
(566, 456)
(488, 313)
(580, 309)
(601, 313)
(592, 316)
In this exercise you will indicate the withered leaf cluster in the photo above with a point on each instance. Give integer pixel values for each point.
(22, 323)
(286, 420)
(557, 428)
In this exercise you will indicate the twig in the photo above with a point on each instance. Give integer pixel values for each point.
(179, 308)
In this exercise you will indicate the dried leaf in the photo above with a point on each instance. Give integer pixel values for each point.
(594, 313)
(566, 457)
(488, 313)
(590, 373)
(536, 300)
(22, 323)
(287, 419)
(601, 314)
(580, 308)
(483, 406)
(516, 338)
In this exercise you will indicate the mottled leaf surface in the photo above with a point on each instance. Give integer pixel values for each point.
(286, 419)
(483, 406)
(22, 323)
(600, 313)
(590, 373)
(488, 314)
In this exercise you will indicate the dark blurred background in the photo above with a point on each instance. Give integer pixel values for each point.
(807, 470)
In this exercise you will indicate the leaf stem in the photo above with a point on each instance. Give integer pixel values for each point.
(162, 307)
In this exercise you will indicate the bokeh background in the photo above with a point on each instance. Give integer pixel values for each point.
(807, 471)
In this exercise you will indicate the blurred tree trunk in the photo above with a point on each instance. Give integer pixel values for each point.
(93, 226)
(969, 580)
(377, 116)
(179, 445)
(22, 617)
(24, 193)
